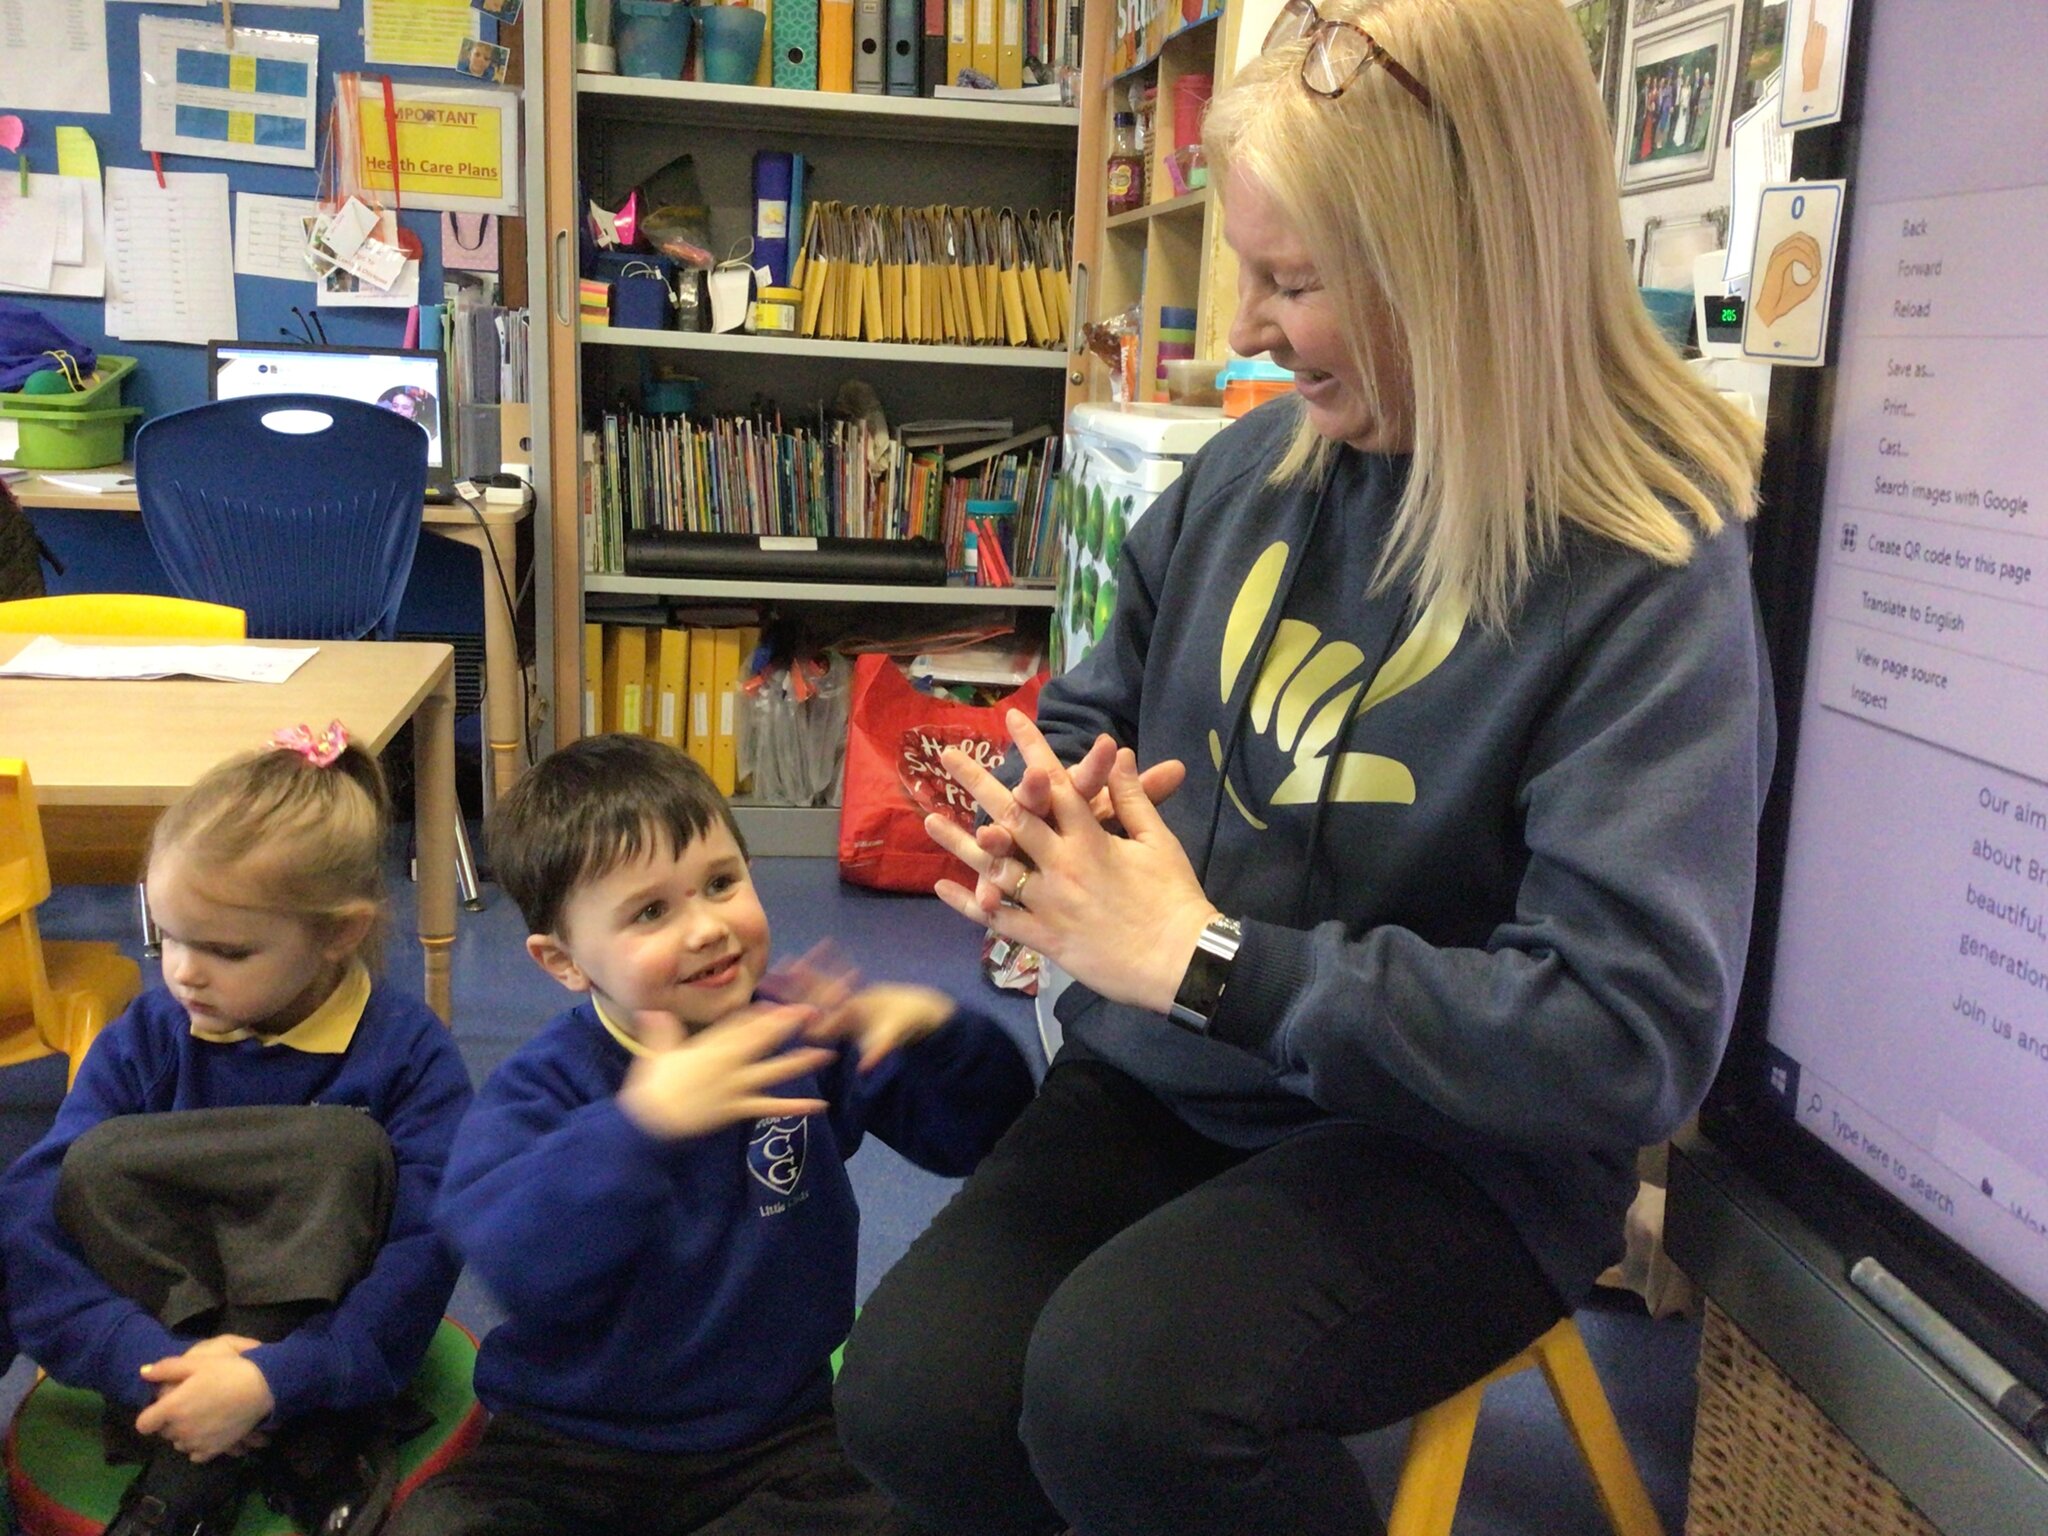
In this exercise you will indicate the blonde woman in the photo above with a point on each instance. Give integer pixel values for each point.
(1456, 653)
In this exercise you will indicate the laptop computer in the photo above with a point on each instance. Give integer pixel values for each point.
(410, 382)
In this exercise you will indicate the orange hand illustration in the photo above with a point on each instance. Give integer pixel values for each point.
(1813, 54)
(1784, 289)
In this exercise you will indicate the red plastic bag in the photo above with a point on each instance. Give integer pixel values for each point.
(894, 735)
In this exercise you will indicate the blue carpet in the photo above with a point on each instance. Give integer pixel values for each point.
(1525, 1477)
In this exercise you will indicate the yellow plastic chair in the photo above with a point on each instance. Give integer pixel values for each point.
(122, 614)
(1440, 1443)
(54, 997)
(96, 846)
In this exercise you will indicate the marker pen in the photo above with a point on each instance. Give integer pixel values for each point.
(2018, 1404)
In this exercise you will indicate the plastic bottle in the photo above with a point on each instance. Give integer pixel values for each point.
(1126, 167)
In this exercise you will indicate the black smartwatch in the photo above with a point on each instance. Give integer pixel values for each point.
(1208, 973)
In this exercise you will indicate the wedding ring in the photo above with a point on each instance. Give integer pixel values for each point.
(1017, 894)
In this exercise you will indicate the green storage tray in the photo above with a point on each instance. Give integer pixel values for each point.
(83, 429)
(102, 391)
(70, 439)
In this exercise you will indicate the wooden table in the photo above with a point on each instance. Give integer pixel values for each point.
(491, 530)
(107, 750)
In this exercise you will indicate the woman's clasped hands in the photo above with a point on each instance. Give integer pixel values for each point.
(1078, 864)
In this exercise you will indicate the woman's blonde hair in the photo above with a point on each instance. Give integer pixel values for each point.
(273, 830)
(1543, 395)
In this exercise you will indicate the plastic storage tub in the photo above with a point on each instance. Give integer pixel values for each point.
(1249, 382)
(81, 429)
(652, 37)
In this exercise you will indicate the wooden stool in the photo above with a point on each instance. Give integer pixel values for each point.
(62, 1485)
(1441, 1442)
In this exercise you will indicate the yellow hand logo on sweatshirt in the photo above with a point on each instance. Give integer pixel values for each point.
(1307, 685)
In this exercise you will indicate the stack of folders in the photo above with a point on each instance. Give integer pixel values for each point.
(915, 47)
(1008, 44)
(767, 477)
(677, 683)
(485, 349)
(960, 276)
(487, 354)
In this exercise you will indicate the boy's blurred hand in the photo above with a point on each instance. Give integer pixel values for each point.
(209, 1400)
(885, 1018)
(879, 1019)
(696, 1084)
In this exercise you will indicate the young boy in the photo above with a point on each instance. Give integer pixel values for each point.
(654, 1187)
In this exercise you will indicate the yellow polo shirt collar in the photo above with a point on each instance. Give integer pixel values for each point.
(326, 1031)
(616, 1030)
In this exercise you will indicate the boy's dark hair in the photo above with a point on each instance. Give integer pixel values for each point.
(595, 804)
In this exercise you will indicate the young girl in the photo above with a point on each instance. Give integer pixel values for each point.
(226, 1232)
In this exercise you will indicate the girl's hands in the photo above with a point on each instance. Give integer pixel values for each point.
(1120, 914)
(209, 1400)
(696, 1084)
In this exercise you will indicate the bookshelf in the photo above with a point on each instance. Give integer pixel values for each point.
(608, 132)
(1170, 252)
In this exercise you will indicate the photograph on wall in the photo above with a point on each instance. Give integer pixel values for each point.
(1759, 50)
(1600, 27)
(1647, 11)
(1671, 97)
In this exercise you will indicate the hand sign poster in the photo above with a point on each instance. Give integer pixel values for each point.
(1792, 272)
(1816, 50)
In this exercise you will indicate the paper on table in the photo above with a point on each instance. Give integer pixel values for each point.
(425, 32)
(169, 257)
(79, 201)
(53, 56)
(92, 483)
(270, 235)
(45, 657)
(249, 100)
(10, 441)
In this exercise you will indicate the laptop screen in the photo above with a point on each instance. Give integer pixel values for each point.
(407, 382)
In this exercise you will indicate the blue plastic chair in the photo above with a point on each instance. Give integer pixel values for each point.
(311, 533)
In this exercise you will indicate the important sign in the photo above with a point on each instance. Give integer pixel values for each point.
(457, 150)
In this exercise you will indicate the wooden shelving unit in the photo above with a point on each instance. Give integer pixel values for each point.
(604, 131)
(1169, 252)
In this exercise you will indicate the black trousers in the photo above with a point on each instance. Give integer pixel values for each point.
(1121, 1326)
(247, 1221)
(230, 1220)
(526, 1480)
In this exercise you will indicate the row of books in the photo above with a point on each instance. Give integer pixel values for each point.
(764, 476)
(962, 276)
(678, 685)
(912, 47)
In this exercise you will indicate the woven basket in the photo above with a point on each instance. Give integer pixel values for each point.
(1766, 1462)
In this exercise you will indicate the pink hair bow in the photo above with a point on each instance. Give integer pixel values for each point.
(320, 750)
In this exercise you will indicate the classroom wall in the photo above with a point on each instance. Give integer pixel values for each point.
(101, 552)
(170, 375)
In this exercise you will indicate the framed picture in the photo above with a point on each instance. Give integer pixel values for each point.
(1600, 24)
(1671, 246)
(1759, 50)
(1647, 11)
(1671, 98)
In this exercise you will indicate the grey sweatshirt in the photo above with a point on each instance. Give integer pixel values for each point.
(1516, 929)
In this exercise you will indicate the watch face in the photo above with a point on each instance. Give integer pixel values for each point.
(1208, 971)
